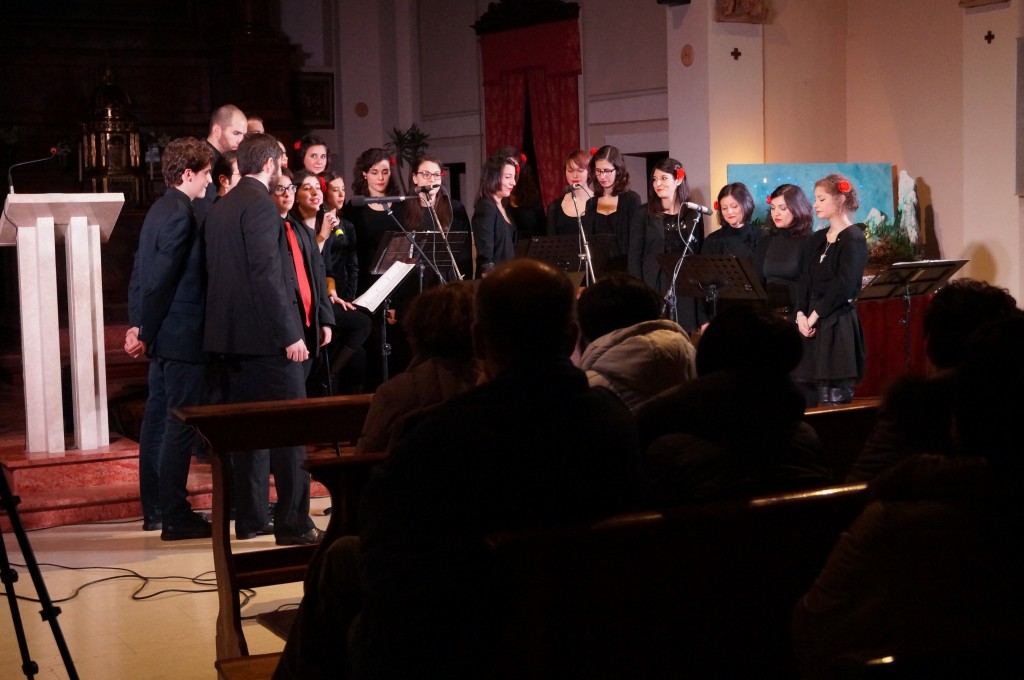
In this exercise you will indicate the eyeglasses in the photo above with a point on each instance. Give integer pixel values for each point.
(430, 175)
(599, 171)
(281, 190)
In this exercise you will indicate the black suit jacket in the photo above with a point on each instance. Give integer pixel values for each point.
(321, 312)
(251, 303)
(167, 294)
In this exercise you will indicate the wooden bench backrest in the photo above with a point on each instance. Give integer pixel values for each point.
(239, 427)
(843, 431)
(701, 591)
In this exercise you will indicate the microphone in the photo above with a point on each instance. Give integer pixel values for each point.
(360, 201)
(428, 188)
(10, 181)
(698, 207)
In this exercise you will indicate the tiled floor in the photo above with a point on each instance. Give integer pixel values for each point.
(110, 635)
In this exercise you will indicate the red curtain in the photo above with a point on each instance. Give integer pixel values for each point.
(541, 62)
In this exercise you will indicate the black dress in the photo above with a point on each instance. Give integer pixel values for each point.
(780, 260)
(654, 235)
(370, 225)
(617, 224)
(495, 237)
(831, 280)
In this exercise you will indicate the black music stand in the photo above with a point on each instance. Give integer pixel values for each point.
(712, 277)
(563, 252)
(907, 280)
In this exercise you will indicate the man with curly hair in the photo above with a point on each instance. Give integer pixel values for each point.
(166, 300)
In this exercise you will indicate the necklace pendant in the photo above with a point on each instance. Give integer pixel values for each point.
(821, 258)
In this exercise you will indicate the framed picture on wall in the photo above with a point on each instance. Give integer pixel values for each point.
(314, 99)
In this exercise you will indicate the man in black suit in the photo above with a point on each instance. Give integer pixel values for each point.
(534, 445)
(227, 128)
(167, 309)
(262, 314)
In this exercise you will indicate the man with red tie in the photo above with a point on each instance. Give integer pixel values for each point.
(267, 314)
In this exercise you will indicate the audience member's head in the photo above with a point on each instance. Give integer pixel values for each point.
(523, 313)
(956, 311)
(616, 301)
(986, 403)
(743, 338)
(439, 322)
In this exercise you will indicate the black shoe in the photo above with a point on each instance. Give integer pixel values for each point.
(824, 396)
(311, 537)
(152, 525)
(193, 526)
(841, 395)
(265, 530)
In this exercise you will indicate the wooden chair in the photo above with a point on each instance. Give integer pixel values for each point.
(698, 591)
(241, 427)
(843, 431)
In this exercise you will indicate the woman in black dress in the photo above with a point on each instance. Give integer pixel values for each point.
(372, 177)
(493, 231)
(431, 194)
(826, 315)
(614, 205)
(781, 257)
(564, 210)
(665, 226)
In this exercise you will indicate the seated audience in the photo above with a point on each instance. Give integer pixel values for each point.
(533, 445)
(929, 574)
(624, 344)
(915, 412)
(438, 327)
(735, 430)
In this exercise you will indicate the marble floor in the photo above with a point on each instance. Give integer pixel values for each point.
(112, 636)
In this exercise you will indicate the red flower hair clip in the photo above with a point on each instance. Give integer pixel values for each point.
(844, 185)
(393, 161)
(297, 145)
(768, 200)
(323, 184)
(522, 158)
(594, 150)
(680, 173)
(715, 206)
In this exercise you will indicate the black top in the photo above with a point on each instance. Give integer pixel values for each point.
(616, 223)
(780, 260)
(560, 224)
(370, 226)
(739, 241)
(495, 237)
(341, 258)
(834, 271)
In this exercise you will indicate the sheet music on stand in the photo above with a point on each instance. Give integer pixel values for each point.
(397, 246)
(908, 280)
(563, 251)
(384, 286)
(714, 276)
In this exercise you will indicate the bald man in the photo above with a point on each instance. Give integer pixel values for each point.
(227, 129)
(534, 445)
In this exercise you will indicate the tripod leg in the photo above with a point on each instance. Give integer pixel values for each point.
(8, 577)
(49, 612)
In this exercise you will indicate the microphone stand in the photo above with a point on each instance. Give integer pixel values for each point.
(669, 310)
(444, 235)
(588, 272)
(423, 256)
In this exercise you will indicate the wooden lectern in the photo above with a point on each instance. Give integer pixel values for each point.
(35, 223)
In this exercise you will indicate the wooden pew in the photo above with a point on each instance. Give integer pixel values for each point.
(843, 430)
(698, 591)
(240, 427)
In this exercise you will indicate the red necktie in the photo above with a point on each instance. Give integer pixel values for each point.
(300, 270)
